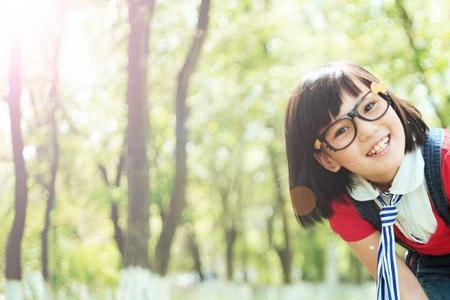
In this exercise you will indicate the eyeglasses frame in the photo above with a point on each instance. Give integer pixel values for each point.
(351, 115)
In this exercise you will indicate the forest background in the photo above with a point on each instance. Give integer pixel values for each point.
(150, 133)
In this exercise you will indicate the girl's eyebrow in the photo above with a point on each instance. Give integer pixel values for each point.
(358, 101)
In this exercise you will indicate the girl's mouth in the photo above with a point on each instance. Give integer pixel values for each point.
(379, 147)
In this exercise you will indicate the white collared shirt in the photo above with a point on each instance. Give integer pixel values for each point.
(415, 217)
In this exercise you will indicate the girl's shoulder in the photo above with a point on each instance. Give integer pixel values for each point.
(346, 221)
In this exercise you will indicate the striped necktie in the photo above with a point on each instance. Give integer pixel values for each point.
(387, 273)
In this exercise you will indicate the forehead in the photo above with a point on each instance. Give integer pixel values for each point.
(323, 98)
(350, 98)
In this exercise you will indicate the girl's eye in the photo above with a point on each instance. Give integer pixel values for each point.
(340, 132)
(368, 107)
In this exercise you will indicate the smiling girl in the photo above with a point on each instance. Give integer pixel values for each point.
(356, 157)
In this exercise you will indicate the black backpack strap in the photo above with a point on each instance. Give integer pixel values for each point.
(432, 156)
(369, 211)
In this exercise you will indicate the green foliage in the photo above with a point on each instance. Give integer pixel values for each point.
(85, 263)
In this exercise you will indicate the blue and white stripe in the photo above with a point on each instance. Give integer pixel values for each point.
(387, 273)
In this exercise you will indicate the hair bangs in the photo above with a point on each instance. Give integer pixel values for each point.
(321, 99)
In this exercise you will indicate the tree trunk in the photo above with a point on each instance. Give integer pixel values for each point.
(241, 206)
(54, 146)
(114, 213)
(229, 225)
(356, 275)
(284, 251)
(195, 251)
(178, 196)
(138, 231)
(118, 235)
(13, 246)
(230, 237)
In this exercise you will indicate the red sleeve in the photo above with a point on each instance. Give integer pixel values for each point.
(445, 158)
(347, 222)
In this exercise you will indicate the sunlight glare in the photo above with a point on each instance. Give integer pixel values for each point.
(22, 15)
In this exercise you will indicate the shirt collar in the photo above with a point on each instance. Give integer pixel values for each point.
(409, 177)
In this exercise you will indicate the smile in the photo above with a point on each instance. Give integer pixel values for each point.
(379, 147)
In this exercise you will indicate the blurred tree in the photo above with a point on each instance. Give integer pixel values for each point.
(54, 99)
(314, 255)
(284, 248)
(194, 249)
(227, 181)
(13, 269)
(230, 230)
(114, 209)
(356, 272)
(178, 196)
(137, 237)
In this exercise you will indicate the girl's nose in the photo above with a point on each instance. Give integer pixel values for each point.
(366, 129)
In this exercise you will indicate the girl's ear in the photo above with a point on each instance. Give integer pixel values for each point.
(327, 162)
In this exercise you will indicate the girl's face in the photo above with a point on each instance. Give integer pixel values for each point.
(369, 155)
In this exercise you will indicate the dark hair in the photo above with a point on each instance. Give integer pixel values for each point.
(313, 104)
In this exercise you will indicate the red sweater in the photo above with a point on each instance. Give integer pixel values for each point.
(347, 222)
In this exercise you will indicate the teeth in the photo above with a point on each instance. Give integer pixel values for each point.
(381, 145)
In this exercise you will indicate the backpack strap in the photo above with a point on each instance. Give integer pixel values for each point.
(432, 157)
(369, 211)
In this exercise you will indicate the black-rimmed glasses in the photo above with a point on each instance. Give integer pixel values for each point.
(342, 132)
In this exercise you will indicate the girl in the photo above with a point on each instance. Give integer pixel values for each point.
(355, 150)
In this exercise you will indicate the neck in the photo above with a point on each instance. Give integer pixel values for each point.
(384, 182)
(383, 187)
